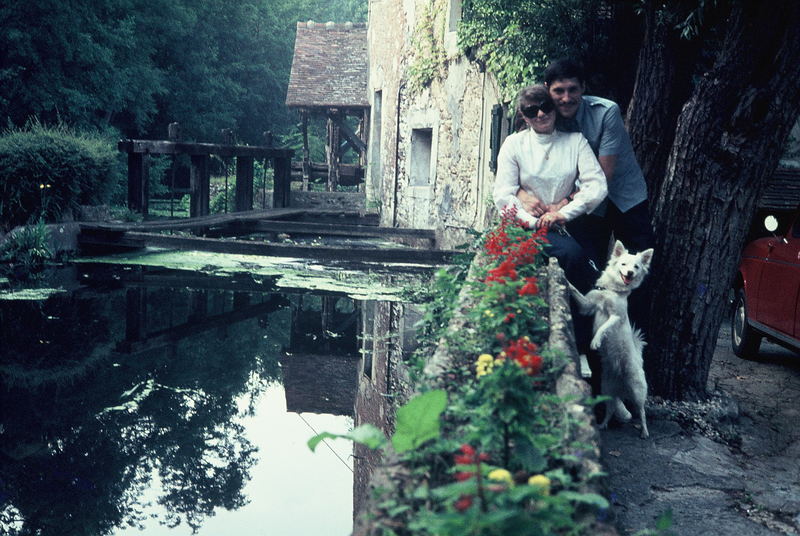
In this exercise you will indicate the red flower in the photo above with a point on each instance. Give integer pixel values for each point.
(524, 352)
(506, 269)
(463, 503)
(529, 287)
(464, 475)
(509, 317)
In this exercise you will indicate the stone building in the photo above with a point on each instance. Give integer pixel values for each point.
(434, 121)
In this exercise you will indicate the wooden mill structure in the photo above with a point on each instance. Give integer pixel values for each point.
(329, 80)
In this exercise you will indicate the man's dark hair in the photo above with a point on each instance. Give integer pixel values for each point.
(564, 68)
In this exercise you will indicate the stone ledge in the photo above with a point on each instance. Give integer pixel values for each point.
(392, 474)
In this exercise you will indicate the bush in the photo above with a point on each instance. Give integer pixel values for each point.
(47, 171)
(26, 251)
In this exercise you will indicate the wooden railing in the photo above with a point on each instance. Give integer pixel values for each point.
(200, 177)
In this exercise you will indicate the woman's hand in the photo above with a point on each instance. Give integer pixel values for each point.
(549, 219)
(531, 203)
(555, 207)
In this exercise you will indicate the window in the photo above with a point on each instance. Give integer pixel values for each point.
(375, 171)
(421, 142)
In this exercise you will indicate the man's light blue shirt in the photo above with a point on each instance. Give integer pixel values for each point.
(600, 121)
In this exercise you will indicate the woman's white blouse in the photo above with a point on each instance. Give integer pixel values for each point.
(549, 166)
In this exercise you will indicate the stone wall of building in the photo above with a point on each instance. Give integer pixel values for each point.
(428, 162)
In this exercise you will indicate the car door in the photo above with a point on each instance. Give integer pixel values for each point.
(780, 283)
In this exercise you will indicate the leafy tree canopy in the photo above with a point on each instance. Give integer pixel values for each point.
(136, 65)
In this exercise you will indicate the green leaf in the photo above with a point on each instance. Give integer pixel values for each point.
(314, 441)
(586, 498)
(664, 521)
(369, 435)
(529, 456)
(366, 434)
(418, 420)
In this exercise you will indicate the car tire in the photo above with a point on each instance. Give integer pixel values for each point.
(745, 340)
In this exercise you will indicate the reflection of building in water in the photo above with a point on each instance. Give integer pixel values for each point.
(320, 364)
(389, 334)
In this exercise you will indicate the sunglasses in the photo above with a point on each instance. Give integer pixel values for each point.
(532, 110)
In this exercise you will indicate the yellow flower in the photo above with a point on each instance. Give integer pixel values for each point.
(541, 483)
(483, 365)
(501, 475)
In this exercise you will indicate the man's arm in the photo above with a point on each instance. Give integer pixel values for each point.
(611, 141)
(608, 164)
(531, 203)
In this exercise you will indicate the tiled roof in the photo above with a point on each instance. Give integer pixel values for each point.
(329, 68)
(783, 190)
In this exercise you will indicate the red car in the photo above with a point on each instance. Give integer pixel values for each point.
(766, 292)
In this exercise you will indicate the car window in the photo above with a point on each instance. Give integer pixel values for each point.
(796, 228)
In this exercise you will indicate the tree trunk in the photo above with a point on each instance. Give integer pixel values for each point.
(728, 140)
(662, 85)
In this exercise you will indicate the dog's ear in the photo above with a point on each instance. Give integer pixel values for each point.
(619, 249)
(646, 256)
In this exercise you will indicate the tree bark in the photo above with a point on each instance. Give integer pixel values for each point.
(729, 137)
(662, 85)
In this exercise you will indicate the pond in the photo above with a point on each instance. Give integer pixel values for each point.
(140, 399)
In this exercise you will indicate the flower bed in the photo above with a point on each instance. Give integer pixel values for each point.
(499, 439)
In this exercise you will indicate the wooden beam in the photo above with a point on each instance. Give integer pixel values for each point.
(173, 147)
(244, 247)
(308, 228)
(350, 137)
(214, 220)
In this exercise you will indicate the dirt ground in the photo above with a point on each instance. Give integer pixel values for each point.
(727, 467)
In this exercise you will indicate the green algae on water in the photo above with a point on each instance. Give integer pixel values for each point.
(32, 294)
(373, 282)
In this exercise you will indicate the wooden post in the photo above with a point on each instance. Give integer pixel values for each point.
(282, 168)
(138, 190)
(306, 153)
(332, 153)
(199, 184)
(244, 183)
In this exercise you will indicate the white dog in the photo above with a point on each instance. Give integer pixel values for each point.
(620, 345)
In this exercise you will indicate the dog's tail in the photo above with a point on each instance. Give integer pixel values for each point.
(638, 340)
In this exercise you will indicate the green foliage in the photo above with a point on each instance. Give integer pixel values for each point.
(418, 420)
(517, 39)
(429, 56)
(27, 249)
(45, 171)
(137, 65)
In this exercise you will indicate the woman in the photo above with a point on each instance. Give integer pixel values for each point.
(550, 165)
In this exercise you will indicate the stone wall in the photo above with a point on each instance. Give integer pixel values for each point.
(428, 160)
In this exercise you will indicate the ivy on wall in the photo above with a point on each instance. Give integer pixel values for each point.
(428, 53)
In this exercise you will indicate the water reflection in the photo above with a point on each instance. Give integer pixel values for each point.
(140, 389)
